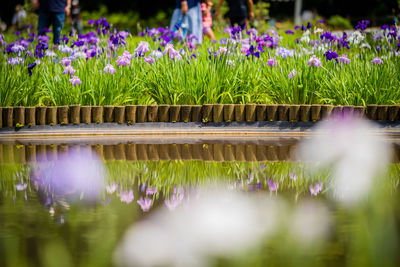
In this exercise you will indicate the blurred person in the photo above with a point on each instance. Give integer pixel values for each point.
(189, 12)
(207, 19)
(76, 18)
(52, 12)
(18, 17)
(238, 12)
(3, 25)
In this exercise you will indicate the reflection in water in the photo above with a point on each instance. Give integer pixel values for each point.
(159, 193)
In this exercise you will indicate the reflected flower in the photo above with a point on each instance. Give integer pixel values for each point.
(151, 190)
(273, 186)
(174, 201)
(126, 196)
(145, 203)
(21, 186)
(111, 188)
(316, 189)
(293, 176)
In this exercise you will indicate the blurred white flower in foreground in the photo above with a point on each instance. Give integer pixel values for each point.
(214, 224)
(310, 222)
(356, 150)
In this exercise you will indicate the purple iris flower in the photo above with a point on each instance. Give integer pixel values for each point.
(272, 62)
(251, 52)
(75, 80)
(65, 39)
(322, 21)
(44, 31)
(314, 61)
(327, 37)
(384, 27)
(149, 60)
(15, 61)
(330, 54)
(78, 43)
(296, 27)
(377, 61)
(309, 25)
(362, 25)
(30, 68)
(344, 59)
(289, 32)
(142, 48)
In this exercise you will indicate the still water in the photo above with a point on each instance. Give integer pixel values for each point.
(74, 203)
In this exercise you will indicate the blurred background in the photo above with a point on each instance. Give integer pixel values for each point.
(136, 15)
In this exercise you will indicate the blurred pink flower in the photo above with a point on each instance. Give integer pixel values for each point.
(344, 59)
(69, 70)
(272, 62)
(65, 61)
(109, 69)
(292, 74)
(314, 61)
(377, 61)
(75, 80)
(149, 60)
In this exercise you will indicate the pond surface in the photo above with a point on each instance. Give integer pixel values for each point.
(55, 211)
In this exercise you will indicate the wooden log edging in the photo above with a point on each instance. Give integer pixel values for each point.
(11, 154)
(207, 113)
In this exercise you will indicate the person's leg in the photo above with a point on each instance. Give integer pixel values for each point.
(209, 33)
(44, 21)
(175, 18)
(195, 23)
(79, 26)
(58, 24)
